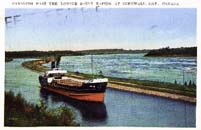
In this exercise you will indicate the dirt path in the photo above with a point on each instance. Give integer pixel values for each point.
(151, 92)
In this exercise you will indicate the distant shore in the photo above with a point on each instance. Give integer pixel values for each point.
(168, 90)
(8, 59)
(39, 54)
(163, 52)
(173, 52)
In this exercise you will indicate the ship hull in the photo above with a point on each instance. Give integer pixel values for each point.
(91, 97)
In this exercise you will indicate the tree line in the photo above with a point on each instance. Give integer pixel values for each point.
(167, 51)
(33, 54)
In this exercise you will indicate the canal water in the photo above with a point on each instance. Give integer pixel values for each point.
(119, 109)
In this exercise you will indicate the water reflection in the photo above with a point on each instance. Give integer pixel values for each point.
(90, 111)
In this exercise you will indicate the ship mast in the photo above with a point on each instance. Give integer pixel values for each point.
(92, 66)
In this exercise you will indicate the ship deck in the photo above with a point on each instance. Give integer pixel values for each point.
(70, 81)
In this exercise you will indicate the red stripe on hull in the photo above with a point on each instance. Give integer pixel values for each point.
(93, 97)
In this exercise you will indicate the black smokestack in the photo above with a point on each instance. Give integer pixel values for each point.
(58, 59)
(53, 64)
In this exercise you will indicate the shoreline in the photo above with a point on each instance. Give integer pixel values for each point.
(153, 93)
(37, 65)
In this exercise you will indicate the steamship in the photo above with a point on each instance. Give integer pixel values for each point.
(55, 80)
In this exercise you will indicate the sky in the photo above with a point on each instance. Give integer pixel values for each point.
(105, 28)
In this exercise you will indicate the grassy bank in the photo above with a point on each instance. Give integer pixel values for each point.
(18, 112)
(35, 65)
(186, 91)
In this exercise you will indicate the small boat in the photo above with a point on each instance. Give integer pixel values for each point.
(56, 81)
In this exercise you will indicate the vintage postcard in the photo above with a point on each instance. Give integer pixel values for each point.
(91, 63)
